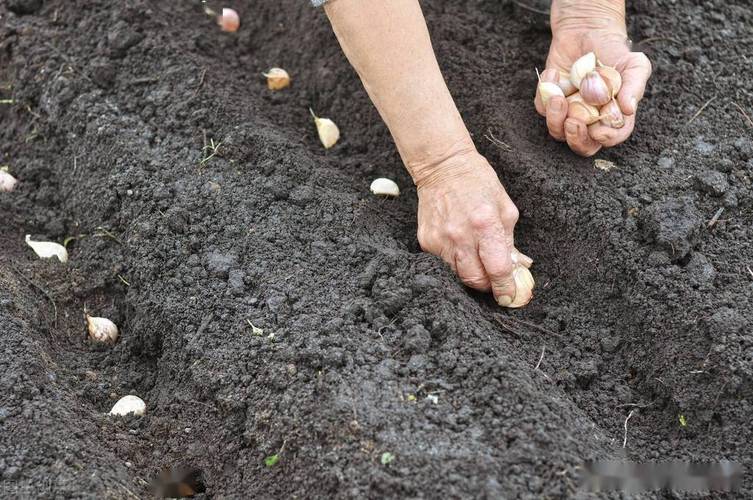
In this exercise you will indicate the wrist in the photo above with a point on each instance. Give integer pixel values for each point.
(580, 15)
(456, 159)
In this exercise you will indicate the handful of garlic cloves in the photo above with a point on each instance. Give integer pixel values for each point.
(591, 89)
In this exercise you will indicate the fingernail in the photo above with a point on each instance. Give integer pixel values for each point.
(571, 128)
(504, 300)
(634, 104)
(555, 105)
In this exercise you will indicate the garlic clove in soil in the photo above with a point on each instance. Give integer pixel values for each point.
(277, 79)
(48, 249)
(229, 20)
(594, 90)
(7, 182)
(524, 285)
(547, 90)
(580, 68)
(611, 115)
(328, 131)
(129, 404)
(580, 110)
(384, 187)
(102, 329)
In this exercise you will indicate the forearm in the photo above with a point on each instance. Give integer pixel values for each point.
(388, 44)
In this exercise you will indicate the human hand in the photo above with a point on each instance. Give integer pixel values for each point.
(598, 26)
(466, 217)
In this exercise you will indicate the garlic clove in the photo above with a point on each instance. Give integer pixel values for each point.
(277, 79)
(594, 90)
(129, 404)
(580, 110)
(229, 20)
(565, 84)
(611, 77)
(547, 90)
(48, 249)
(519, 257)
(328, 131)
(580, 68)
(524, 285)
(611, 115)
(384, 187)
(7, 182)
(102, 329)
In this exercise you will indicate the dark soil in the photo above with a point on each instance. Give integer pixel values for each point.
(641, 307)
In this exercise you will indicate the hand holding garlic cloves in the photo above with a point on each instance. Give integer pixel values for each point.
(600, 81)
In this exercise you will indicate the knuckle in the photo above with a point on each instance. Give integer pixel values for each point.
(483, 218)
(510, 214)
(454, 232)
(475, 282)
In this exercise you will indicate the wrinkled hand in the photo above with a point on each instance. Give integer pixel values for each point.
(466, 218)
(579, 27)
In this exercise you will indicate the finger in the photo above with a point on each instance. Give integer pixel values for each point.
(549, 75)
(608, 136)
(496, 258)
(556, 114)
(635, 69)
(578, 139)
(470, 270)
(519, 257)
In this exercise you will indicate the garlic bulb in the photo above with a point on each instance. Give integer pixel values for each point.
(611, 115)
(611, 77)
(547, 90)
(7, 182)
(102, 329)
(594, 90)
(129, 404)
(580, 110)
(48, 249)
(277, 79)
(229, 20)
(565, 84)
(524, 285)
(328, 131)
(582, 67)
(384, 187)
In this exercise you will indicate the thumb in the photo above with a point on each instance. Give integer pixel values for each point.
(635, 69)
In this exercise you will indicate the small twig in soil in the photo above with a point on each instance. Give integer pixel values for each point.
(698, 113)
(750, 271)
(715, 218)
(123, 280)
(541, 358)
(624, 439)
(7, 101)
(658, 39)
(500, 144)
(636, 405)
(46, 294)
(105, 232)
(146, 79)
(531, 9)
(742, 111)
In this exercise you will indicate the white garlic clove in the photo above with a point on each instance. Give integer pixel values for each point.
(7, 182)
(594, 90)
(580, 110)
(328, 131)
(277, 79)
(384, 187)
(524, 285)
(582, 67)
(102, 329)
(612, 78)
(129, 404)
(547, 90)
(565, 84)
(611, 115)
(229, 20)
(48, 249)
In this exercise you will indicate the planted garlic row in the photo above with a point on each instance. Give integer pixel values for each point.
(591, 89)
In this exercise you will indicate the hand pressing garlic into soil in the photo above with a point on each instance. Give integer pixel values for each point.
(590, 58)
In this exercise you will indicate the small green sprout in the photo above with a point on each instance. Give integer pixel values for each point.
(387, 458)
(209, 151)
(683, 421)
(272, 460)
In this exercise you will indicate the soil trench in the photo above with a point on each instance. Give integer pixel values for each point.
(286, 332)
